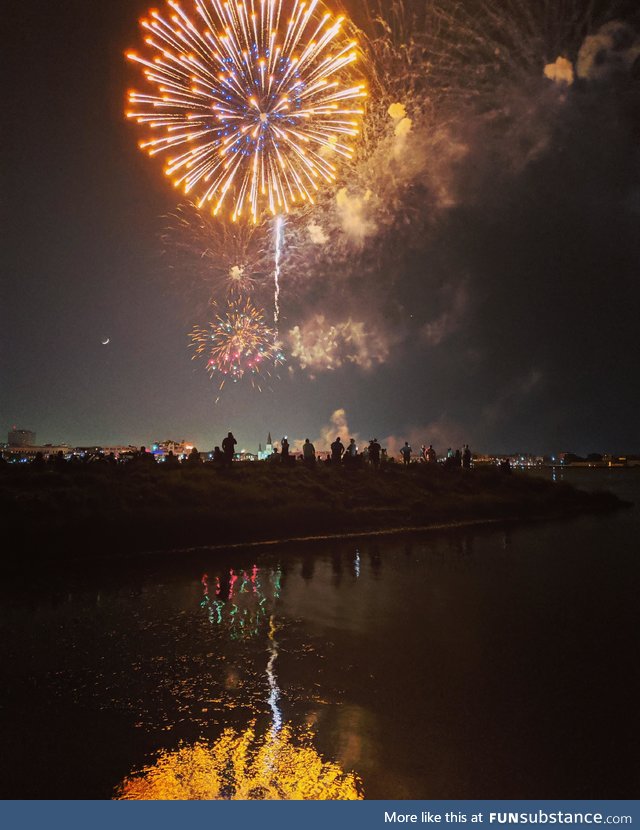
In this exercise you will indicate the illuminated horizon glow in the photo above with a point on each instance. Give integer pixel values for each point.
(254, 102)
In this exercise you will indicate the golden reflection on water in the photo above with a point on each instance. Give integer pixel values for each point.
(243, 766)
(275, 765)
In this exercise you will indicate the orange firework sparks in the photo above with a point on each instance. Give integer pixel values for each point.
(251, 101)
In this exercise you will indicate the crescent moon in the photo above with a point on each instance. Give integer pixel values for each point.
(106, 342)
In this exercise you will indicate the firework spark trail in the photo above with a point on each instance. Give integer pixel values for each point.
(276, 271)
(236, 344)
(253, 99)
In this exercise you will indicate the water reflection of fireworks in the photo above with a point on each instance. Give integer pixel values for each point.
(279, 763)
(241, 766)
(241, 601)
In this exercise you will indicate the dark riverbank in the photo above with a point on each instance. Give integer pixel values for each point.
(98, 508)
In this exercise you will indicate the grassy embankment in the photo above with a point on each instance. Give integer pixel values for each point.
(98, 508)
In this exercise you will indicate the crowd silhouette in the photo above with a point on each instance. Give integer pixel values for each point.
(371, 454)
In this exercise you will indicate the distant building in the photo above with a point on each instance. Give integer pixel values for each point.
(516, 460)
(609, 460)
(180, 449)
(118, 450)
(28, 453)
(21, 438)
(268, 451)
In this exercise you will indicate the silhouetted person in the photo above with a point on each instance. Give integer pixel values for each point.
(111, 459)
(337, 451)
(505, 466)
(351, 453)
(374, 453)
(431, 455)
(308, 453)
(228, 449)
(457, 459)
(171, 461)
(38, 461)
(144, 457)
(194, 457)
(405, 452)
(275, 456)
(284, 455)
(218, 457)
(466, 457)
(59, 460)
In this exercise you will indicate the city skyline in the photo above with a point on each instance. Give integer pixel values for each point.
(323, 443)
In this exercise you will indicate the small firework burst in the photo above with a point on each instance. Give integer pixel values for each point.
(228, 261)
(238, 343)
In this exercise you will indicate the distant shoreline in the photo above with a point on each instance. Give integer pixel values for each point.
(357, 534)
(98, 511)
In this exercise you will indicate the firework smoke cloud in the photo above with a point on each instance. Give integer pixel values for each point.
(321, 346)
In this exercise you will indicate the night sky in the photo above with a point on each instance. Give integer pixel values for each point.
(504, 315)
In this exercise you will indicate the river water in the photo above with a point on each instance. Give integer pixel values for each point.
(487, 662)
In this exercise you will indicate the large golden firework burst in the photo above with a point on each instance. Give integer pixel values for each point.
(253, 101)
